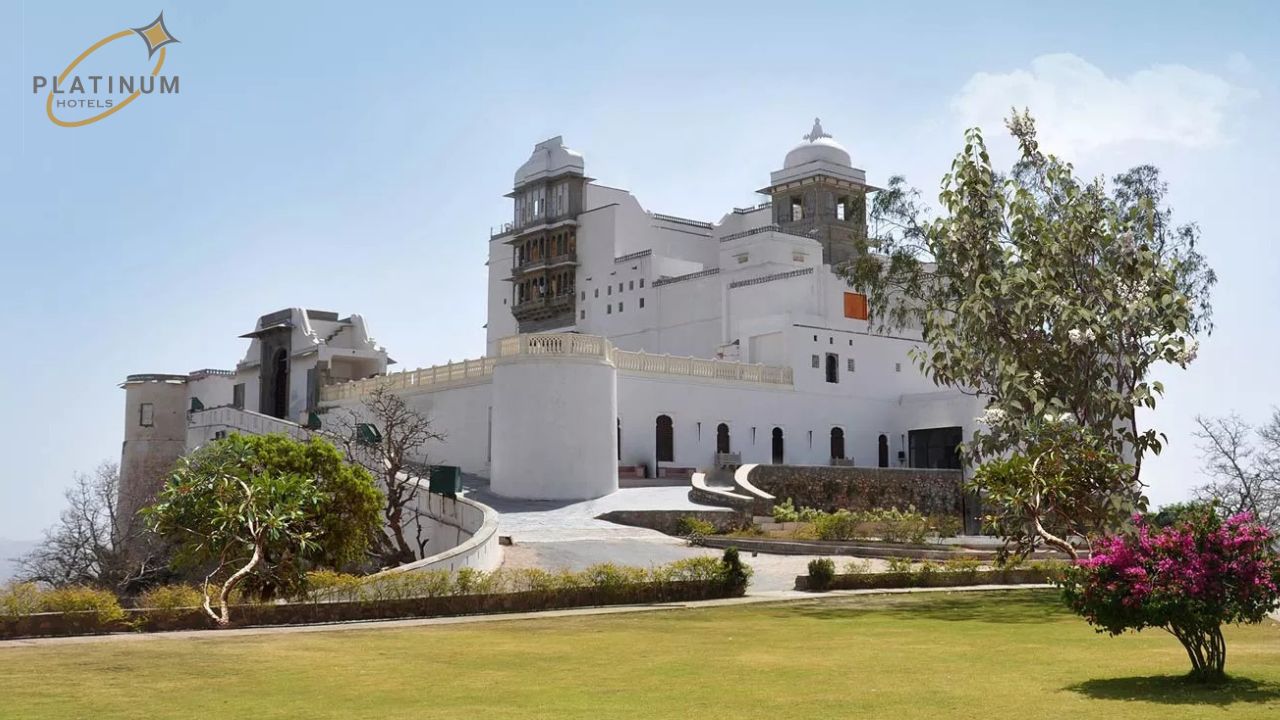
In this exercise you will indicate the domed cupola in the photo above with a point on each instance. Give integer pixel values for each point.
(550, 158)
(818, 193)
(818, 146)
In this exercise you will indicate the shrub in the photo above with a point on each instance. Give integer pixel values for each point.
(1188, 578)
(333, 586)
(607, 576)
(20, 598)
(695, 568)
(899, 565)
(785, 512)
(857, 567)
(694, 526)
(737, 575)
(170, 598)
(946, 525)
(839, 525)
(963, 566)
(405, 585)
(822, 572)
(77, 598)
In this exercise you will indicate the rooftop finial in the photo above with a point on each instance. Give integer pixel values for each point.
(816, 132)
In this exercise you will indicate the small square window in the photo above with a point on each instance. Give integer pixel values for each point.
(850, 342)
(815, 338)
(146, 414)
(608, 290)
(220, 435)
(831, 341)
(631, 285)
(850, 364)
(619, 307)
(582, 314)
(597, 292)
(608, 309)
(619, 287)
(584, 295)
(641, 282)
(817, 362)
(642, 302)
(897, 367)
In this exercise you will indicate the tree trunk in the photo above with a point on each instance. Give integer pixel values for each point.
(223, 616)
(1207, 650)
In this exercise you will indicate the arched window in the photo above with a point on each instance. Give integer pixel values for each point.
(884, 451)
(722, 438)
(833, 368)
(665, 439)
(778, 453)
(837, 443)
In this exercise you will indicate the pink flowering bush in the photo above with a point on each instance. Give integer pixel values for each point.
(1188, 578)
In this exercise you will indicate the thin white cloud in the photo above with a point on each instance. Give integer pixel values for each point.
(1079, 108)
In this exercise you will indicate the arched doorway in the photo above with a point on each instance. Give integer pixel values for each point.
(722, 439)
(280, 384)
(833, 368)
(884, 451)
(837, 443)
(664, 440)
(778, 453)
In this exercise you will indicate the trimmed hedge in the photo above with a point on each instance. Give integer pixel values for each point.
(932, 578)
(88, 623)
(334, 597)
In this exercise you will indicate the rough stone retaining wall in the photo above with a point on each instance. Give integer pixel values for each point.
(668, 521)
(932, 492)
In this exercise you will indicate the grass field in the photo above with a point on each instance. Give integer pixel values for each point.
(991, 655)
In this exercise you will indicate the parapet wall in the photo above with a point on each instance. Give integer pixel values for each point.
(462, 533)
(932, 492)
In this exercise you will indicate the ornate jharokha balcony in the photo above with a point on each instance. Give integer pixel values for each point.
(545, 263)
(544, 307)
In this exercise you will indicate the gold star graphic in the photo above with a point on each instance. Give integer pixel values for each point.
(156, 35)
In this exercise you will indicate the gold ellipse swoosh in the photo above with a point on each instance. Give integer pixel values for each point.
(48, 105)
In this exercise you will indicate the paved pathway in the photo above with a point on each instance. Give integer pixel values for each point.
(555, 535)
(751, 599)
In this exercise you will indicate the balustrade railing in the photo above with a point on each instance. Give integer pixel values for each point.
(561, 344)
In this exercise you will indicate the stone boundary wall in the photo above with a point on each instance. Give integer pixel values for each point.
(87, 623)
(668, 521)
(932, 492)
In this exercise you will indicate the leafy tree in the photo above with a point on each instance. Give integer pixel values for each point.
(1189, 579)
(1243, 464)
(88, 545)
(1062, 487)
(257, 511)
(397, 458)
(1049, 296)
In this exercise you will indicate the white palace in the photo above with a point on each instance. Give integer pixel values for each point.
(623, 346)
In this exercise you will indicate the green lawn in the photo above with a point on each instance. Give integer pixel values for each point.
(992, 655)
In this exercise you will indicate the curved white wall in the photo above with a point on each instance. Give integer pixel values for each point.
(554, 427)
(466, 532)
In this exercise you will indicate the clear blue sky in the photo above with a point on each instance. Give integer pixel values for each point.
(352, 156)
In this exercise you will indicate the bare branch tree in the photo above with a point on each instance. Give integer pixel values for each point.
(398, 459)
(89, 546)
(1243, 464)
